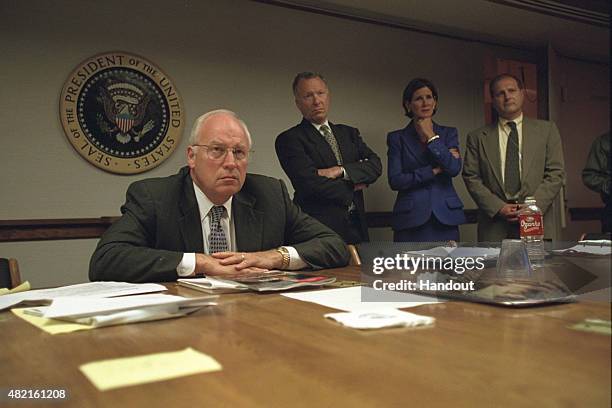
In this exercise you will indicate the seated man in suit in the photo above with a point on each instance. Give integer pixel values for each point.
(212, 218)
(329, 165)
(509, 160)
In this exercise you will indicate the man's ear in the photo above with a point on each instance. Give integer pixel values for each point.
(191, 156)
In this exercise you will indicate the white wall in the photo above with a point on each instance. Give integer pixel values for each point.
(236, 54)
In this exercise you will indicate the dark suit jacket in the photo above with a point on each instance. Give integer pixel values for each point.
(161, 221)
(302, 150)
(410, 172)
(542, 174)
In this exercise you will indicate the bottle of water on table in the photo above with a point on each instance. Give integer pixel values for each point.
(531, 227)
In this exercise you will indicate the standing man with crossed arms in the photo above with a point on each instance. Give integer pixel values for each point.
(329, 164)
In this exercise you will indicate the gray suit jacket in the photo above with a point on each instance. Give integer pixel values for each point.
(542, 174)
(161, 221)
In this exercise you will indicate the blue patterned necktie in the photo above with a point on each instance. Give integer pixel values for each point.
(217, 241)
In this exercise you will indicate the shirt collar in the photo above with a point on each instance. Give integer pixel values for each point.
(518, 121)
(318, 126)
(204, 204)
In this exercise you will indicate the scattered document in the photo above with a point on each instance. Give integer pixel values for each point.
(212, 285)
(75, 307)
(349, 299)
(91, 289)
(70, 314)
(600, 242)
(457, 252)
(587, 248)
(124, 372)
(380, 318)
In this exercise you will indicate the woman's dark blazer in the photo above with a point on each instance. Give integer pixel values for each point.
(410, 173)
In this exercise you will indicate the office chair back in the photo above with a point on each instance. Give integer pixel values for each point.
(9, 273)
(355, 259)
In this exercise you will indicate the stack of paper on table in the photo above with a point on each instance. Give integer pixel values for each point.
(92, 289)
(212, 285)
(100, 312)
(265, 282)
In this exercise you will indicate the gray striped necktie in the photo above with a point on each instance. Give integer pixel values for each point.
(217, 241)
(512, 175)
(333, 143)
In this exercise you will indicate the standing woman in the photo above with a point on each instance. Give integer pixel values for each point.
(423, 159)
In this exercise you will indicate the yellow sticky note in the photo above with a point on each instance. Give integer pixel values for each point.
(124, 372)
(21, 288)
(51, 326)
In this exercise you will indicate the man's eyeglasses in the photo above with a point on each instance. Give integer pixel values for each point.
(218, 152)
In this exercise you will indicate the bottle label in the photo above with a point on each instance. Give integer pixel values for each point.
(531, 224)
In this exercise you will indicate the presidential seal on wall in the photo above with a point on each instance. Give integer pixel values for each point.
(121, 112)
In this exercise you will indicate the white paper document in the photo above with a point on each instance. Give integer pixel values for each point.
(457, 252)
(380, 318)
(213, 285)
(585, 248)
(74, 307)
(600, 242)
(349, 299)
(98, 312)
(91, 289)
(131, 316)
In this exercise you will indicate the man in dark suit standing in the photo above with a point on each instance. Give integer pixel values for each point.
(329, 165)
(212, 218)
(509, 160)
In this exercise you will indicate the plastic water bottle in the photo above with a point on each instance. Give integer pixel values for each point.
(531, 227)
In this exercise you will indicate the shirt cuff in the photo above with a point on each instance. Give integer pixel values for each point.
(433, 138)
(345, 175)
(187, 265)
(295, 261)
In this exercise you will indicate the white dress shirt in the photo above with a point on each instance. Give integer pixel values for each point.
(187, 265)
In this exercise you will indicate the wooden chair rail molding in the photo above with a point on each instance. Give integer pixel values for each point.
(52, 229)
(82, 228)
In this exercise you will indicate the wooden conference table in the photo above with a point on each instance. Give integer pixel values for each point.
(279, 352)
